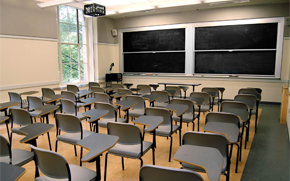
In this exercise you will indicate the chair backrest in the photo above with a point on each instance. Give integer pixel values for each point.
(51, 163)
(47, 92)
(248, 97)
(253, 91)
(140, 101)
(93, 84)
(213, 140)
(144, 89)
(231, 106)
(97, 89)
(157, 173)
(176, 89)
(21, 116)
(68, 106)
(154, 111)
(117, 85)
(223, 117)
(5, 150)
(163, 96)
(127, 133)
(125, 91)
(103, 96)
(259, 90)
(211, 89)
(204, 95)
(69, 95)
(106, 106)
(34, 102)
(72, 88)
(189, 103)
(15, 97)
(68, 123)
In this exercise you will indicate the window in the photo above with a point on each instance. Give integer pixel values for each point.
(72, 45)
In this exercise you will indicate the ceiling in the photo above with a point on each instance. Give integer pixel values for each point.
(130, 8)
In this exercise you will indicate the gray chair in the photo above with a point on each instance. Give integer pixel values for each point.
(252, 100)
(69, 107)
(189, 116)
(167, 128)
(15, 97)
(163, 100)
(158, 173)
(33, 103)
(23, 118)
(47, 92)
(55, 167)
(116, 86)
(93, 84)
(71, 96)
(241, 110)
(131, 143)
(110, 117)
(176, 89)
(73, 129)
(205, 107)
(16, 157)
(139, 108)
(214, 94)
(227, 118)
(105, 98)
(75, 89)
(125, 91)
(212, 140)
(144, 89)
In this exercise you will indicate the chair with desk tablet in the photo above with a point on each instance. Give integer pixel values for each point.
(54, 166)
(116, 86)
(73, 129)
(69, 107)
(144, 89)
(214, 94)
(167, 128)
(33, 103)
(163, 98)
(105, 98)
(47, 92)
(110, 117)
(157, 173)
(189, 116)
(217, 141)
(131, 143)
(227, 124)
(176, 89)
(93, 84)
(97, 89)
(139, 108)
(16, 157)
(75, 89)
(15, 97)
(241, 110)
(205, 107)
(23, 118)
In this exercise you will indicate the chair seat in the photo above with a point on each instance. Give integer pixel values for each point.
(35, 114)
(188, 118)
(130, 151)
(104, 122)
(160, 104)
(164, 130)
(73, 138)
(79, 115)
(24, 106)
(16, 130)
(203, 108)
(77, 173)
(199, 169)
(19, 157)
(137, 112)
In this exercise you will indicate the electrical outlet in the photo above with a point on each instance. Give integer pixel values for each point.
(287, 21)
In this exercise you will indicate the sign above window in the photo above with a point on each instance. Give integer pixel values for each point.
(94, 10)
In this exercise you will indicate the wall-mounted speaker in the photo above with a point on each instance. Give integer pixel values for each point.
(114, 32)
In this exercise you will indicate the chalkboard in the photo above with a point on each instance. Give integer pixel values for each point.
(247, 36)
(171, 62)
(155, 40)
(252, 62)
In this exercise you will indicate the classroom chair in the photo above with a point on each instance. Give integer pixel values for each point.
(144, 89)
(139, 108)
(163, 99)
(15, 97)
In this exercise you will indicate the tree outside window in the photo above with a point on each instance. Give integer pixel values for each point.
(72, 45)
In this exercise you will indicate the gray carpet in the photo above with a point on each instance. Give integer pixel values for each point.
(269, 155)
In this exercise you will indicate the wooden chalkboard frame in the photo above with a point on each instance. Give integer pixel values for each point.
(190, 49)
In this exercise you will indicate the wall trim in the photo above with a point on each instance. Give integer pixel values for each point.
(286, 38)
(20, 86)
(109, 44)
(28, 38)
